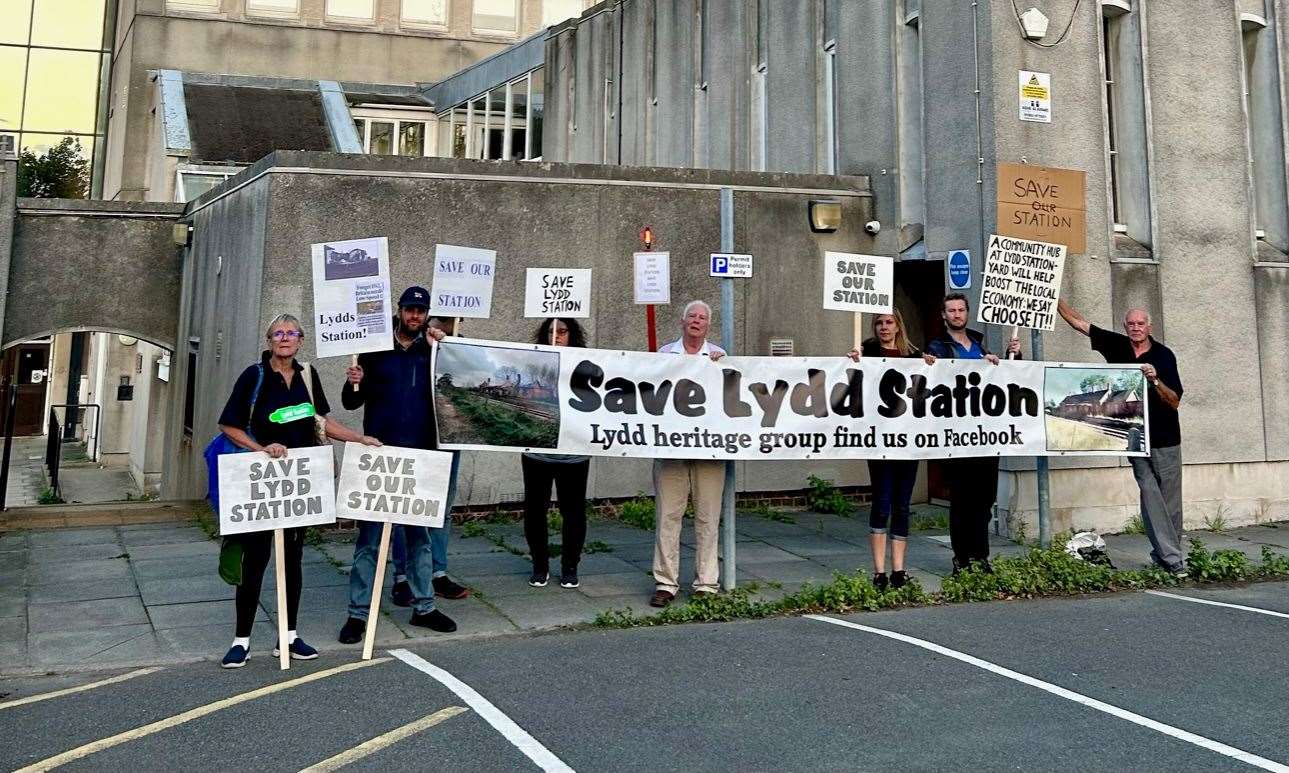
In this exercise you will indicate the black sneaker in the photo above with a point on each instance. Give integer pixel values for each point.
(568, 578)
(899, 579)
(352, 631)
(1179, 571)
(538, 579)
(880, 582)
(299, 650)
(236, 657)
(401, 594)
(445, 588)
(435, 621)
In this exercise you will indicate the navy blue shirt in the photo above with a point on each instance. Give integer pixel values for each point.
(396, 392)
(1165, 424)
(274, 394)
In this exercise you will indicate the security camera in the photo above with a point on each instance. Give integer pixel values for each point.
(873, 226)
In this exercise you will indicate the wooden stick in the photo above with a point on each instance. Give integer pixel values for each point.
(858, 330)
(1015, 334)
(353, 362)
(378, 583)
(279, 569)
(554, 324)
(456, 326)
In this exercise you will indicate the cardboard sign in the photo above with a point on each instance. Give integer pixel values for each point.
(462, 282)
(1021, 282)
(1035, 96)
(260, 493)
(731, 265)
(558, 292)
(1043, 204)
(394, 485)
(858, 282)
(652, 277)
(351, 306)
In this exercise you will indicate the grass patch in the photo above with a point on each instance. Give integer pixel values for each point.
(1039, 572)
(1217, 521)
(824, 497)
(49, 497)
(929, 522)
(502, 425)
(638, 512)
(1134, 525)
(763, 510)
(1069, 435)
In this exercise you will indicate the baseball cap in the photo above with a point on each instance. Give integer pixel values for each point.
(415, 296)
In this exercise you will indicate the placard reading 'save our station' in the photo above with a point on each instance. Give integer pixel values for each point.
(260, 493)
(394, 485)
(862, 283)
(462, 282)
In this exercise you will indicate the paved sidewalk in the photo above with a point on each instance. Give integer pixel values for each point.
(98, 597)
(26, 471)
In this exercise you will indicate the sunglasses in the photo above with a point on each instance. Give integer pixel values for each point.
(282, 335)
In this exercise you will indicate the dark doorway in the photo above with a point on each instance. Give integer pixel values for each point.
(26, 365)
(919, 291)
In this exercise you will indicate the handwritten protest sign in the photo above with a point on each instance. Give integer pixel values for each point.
(558, 292)
(1021, 282)
(260, 493)
(462, 281)
(652, 277)
(393, 485)
(858, 282)
(351, 305)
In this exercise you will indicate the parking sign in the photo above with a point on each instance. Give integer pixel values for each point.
(731, 265)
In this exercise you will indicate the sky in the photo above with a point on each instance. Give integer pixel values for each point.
(1062, 382)
(470, 364)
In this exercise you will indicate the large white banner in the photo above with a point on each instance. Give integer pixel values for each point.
(260, 493)
(393, 485)
(521, 397)
(351, 306)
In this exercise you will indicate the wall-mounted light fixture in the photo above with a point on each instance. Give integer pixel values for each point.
(825, 216)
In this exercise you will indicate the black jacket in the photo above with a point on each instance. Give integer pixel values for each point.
(873, 348)
(396, 391)
(941, 347)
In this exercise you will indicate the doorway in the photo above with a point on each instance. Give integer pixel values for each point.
(27, 366)
(919, 293)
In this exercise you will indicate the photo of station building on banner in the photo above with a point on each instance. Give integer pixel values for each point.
(556, 147)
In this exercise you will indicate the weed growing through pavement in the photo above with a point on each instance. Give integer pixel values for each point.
(824, 497)
(638, 512)
(1134, 525)
(763, 510)
(930, 522)
(1217, 521)
(49, 497)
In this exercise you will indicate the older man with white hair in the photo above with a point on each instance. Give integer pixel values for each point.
(675, 480)
(1159, 476)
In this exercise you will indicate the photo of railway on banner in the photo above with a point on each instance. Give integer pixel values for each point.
(518, 397)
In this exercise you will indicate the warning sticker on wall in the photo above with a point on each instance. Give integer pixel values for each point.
(1035, 96)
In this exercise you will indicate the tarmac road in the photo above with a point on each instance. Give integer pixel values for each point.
(1130, 681)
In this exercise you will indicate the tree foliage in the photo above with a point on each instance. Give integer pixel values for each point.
(62, 172)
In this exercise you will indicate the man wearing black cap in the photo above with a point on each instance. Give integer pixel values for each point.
(399, 412)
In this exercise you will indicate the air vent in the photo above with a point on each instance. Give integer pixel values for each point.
(781, 347)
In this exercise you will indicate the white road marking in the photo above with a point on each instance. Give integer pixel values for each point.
(1240, 607)
(94, 747)
(503, 724)
(373, 745)
(72, 690)
(1114, 711)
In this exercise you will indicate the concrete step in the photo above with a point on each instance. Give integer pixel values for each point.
(105, 514)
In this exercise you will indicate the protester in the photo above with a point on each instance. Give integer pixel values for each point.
(246, 421)
(675, 480)
(568, 472)
(394, 385)
(1159, 475)
(892, 479)
(973, 480)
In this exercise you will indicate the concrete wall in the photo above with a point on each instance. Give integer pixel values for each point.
(90, 265)
(537, 215)
(148, 429)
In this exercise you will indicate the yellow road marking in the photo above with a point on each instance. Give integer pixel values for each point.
(178, 719)
(370, 747)
(81, 688)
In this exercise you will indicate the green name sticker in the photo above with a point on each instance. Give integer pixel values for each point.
(292, 413)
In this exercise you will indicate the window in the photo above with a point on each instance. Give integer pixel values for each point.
(496, 16)
(556, 11)
(428, 13)
(67, 23)
(350, 10)
(390, 132)
(1266, 124)
(62, 90)
(1125, 121)
(536, 113)
(190, 388)
(192, 5)
(191, 183)
(273, 7)
(911, 123)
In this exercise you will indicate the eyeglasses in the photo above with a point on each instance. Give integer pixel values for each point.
(282, 335)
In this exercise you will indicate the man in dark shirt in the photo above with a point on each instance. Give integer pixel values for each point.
(1159, 476)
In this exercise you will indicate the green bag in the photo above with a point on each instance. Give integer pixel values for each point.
(230, 560)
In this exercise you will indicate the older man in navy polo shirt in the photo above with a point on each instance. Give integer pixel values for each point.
(1159, 476)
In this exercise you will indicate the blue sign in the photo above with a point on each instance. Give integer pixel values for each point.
(959, 268)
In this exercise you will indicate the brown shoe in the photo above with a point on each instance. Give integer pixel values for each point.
(661, 598)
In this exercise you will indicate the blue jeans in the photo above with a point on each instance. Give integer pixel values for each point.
(419, 561)
(893, 481)
(438, 537)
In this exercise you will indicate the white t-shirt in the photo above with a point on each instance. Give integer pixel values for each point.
(678, 347)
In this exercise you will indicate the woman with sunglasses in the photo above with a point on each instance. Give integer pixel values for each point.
(282, 384)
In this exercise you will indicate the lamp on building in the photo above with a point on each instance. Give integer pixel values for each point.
(825, 216)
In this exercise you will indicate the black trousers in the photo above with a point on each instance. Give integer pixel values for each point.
(570, 488)
(973, 486)
(257, 548)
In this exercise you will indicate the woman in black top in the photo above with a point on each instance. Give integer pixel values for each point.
(281, 385)
(892, 479)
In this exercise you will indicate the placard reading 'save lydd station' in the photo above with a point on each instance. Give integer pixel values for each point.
(260, 493)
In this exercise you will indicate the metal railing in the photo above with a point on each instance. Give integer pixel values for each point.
(53, 450)
(12, 397)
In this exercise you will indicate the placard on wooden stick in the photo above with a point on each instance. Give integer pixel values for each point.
(1021, 283)
(558, 292)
